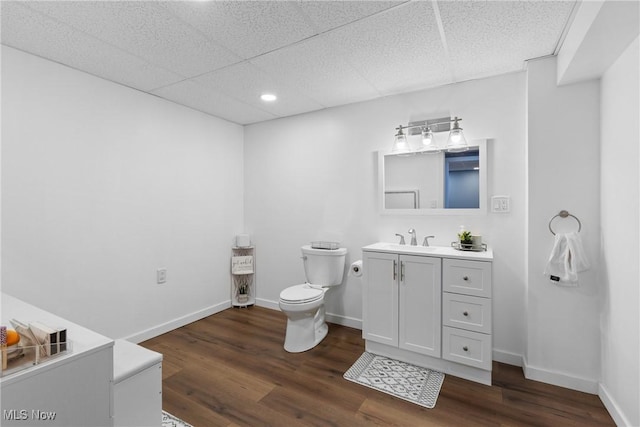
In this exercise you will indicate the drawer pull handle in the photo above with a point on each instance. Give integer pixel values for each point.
(465, 348)
(465, 313)
(465, 278)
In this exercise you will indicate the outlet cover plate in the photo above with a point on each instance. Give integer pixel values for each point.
(161, 275)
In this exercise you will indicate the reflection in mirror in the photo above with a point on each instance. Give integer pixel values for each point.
(434, 183)
(462, 180)
(419, 174)
(407, 199)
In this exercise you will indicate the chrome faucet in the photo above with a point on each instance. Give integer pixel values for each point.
(425, 242)
(401, 239)
(414, 242)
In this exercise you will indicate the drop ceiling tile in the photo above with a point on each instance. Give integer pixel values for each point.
(326, 15)
(494, 37)
(247, 28)
(313, 68)
(396, 51)
(33, 32)
(212, 102)
(144, 29)
(364, 50)
(246, 82)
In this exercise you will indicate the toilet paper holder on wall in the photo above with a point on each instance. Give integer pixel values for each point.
(355, 269)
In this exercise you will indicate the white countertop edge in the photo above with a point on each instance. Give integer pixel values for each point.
(438, 252)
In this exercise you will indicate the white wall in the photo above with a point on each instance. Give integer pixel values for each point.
(314, 176)
(620, 212)
(563, 342)
(101, 186)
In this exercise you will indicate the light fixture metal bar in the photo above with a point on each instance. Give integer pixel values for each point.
(442, 124)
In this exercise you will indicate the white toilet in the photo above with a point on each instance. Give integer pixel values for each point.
(304, 304)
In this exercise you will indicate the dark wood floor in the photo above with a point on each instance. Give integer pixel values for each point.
(230, 369)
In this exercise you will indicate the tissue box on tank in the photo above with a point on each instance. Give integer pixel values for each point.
(243, 240)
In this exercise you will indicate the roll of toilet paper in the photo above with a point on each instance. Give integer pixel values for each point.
(356, 268)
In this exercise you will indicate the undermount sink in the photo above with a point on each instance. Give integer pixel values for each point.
(397, 247)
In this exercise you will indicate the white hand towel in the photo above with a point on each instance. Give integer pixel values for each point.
(566, 260)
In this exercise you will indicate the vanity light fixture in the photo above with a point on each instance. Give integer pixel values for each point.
(427, 128)
(400, 144)
(456, 142)
(428, 143)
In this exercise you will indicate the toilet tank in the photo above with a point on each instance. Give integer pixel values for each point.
(324, 267)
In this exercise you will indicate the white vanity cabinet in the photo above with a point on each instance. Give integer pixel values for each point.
(430, 307)
(402, 302)
(466, 309)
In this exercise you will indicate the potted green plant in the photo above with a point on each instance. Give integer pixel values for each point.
(465, 238)
(243, 292)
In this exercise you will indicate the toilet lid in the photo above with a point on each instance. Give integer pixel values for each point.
(300, 294)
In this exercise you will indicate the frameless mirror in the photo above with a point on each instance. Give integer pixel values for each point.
(423, 183)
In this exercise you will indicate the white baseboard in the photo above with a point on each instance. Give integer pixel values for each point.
(177, 323)
(561, 379)
(614, 410)
(507, 357)
(351, 322)
(267, 303)
(330, 317)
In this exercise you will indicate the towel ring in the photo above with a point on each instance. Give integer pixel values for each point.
(564, 214)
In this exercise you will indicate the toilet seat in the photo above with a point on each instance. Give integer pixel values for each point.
(300, 294)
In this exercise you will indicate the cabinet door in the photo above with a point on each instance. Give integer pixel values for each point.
(420, 306)
(380, 298)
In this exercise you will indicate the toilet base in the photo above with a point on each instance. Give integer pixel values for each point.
(321, 333)
(305, 332)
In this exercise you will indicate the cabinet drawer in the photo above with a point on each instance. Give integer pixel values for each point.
(467, 348)
(466, 277)
(466, 312)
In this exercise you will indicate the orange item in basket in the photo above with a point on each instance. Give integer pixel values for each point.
(12, 337)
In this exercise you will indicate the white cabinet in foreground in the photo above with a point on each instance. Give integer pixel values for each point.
(92, 384)
(72, 389)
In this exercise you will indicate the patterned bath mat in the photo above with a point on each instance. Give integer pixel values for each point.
(409, 382)
(169, 420)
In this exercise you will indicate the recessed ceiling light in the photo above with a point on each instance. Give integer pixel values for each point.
(268, 97)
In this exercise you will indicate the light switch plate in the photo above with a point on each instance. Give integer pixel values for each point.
(501, 204)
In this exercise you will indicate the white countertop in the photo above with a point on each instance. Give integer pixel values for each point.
(435, 251)
(130, 359)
